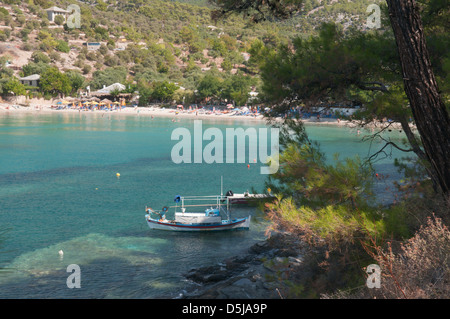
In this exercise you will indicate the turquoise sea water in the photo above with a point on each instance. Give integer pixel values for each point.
(59, 191)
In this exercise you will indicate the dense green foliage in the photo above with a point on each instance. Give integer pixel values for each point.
(327, 201)
(352, 68)
(54, 82)
(13, 86)
(165, 40)
(108, 76)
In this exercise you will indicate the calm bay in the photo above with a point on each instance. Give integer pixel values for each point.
(59, 190)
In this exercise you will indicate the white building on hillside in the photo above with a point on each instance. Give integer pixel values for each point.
(32, 80)
(55, 11)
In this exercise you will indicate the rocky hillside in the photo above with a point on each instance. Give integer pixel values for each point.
(148, 40)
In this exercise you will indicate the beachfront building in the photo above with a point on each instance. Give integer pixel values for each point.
(113, 92)
(32, 80)
(107, 90)
(55, 11)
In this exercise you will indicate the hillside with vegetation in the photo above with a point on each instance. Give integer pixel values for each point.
(146, 44)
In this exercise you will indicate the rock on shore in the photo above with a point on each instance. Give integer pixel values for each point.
(253, 276)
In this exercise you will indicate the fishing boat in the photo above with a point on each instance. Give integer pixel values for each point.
(214, 215)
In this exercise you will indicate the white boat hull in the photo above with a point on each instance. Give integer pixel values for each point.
(239, 223)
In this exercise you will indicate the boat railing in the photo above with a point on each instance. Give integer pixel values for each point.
(220, 202)
(218, 199)
(214, 201)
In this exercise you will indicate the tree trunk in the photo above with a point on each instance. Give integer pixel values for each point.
(427, 106)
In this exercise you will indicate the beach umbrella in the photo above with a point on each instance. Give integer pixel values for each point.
(179, 106)
(229, 106)
(107, 102)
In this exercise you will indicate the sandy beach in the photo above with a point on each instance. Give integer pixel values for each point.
(175, 115)
(154, 112)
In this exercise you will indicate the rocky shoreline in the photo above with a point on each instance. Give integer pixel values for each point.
(257, 275)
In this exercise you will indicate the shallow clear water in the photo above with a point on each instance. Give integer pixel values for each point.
(59, 191)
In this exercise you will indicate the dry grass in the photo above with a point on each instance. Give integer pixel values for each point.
(418, 270)
(421, 268)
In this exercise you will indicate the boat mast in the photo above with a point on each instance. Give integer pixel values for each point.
(221, 196)
(228, 208)
(219, 199)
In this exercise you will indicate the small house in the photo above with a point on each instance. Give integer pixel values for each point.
(55, 11)
(32, 80)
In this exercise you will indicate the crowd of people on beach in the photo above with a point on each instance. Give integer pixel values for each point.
(317, 115)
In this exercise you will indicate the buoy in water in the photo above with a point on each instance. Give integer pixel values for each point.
(248, 165)
(118, 174)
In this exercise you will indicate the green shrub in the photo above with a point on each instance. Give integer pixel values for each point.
(39, 56)
(59, 20)
(4, 11)
(62, 46)
(331, 204)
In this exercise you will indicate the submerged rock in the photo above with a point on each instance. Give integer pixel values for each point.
(252, 276)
